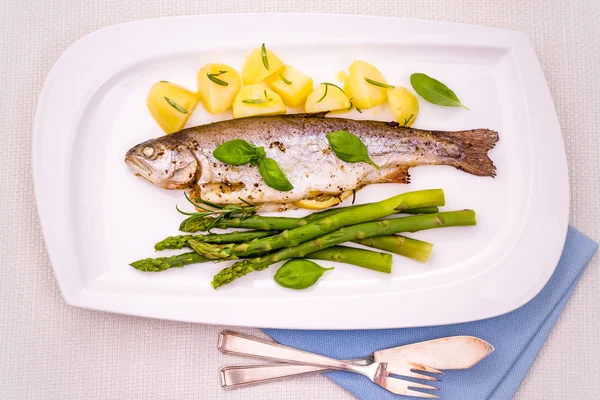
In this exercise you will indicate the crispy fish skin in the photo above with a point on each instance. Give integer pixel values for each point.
(299, 145)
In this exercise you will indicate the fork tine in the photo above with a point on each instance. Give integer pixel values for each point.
(400, 386)
(417, 385)
(403, 368)
(412, 374)
(420, 367)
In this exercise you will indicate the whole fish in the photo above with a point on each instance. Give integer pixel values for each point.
(299, 145)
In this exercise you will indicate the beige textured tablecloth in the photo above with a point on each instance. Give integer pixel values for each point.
(49, 350)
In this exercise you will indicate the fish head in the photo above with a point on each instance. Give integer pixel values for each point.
(168, 165)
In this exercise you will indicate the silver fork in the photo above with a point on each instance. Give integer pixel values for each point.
(378, 372)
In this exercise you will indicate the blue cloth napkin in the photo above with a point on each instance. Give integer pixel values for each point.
(517, 337)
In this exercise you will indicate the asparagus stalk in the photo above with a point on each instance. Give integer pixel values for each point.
(253, 222)
(163, 263)
(405, 246)
(411, 248)
(191, 225)
(352, 216)
(181, 241)
(345, 234)
(363, 258)
(332, 211)
(381, 262)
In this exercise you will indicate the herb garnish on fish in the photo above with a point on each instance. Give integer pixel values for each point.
(349, 147)
(240, 152)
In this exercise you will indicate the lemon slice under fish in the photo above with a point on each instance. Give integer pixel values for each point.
(323, 201)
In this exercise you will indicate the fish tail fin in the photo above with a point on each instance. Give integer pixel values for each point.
(477, 143)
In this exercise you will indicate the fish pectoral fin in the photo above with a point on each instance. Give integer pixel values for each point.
(396, 175)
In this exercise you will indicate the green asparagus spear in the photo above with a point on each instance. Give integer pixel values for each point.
(163, 263)
(381, 262)
(181, 241)
(275, 223)
(345, 234)
(363, 258)
(358, 215)
(405, 246)
(332, 211)
(252, 222)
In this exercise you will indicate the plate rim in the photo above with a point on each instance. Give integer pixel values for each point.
(76, 293)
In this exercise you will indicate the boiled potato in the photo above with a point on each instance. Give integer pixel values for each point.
(364, 94)
(255, 100)
(254, 69)
(294, 89)
(217, 94)
(404, 105)
(171, 105)
(326, 97)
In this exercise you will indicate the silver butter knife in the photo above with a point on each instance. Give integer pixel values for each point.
(456, 352)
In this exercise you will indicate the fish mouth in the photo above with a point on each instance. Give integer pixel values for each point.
(139, 166)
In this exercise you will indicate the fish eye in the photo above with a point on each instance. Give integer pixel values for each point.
(148, 151)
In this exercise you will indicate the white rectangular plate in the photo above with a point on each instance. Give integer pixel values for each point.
(97, 216)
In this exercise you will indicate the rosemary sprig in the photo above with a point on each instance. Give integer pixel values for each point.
(212, 209)
(407, 120)
(258, 101)
(213, 77)
(383, 85)
(324, 94)
(284, 79)
(176, 106)
(327, 84)
(265, 60)
(254, 101)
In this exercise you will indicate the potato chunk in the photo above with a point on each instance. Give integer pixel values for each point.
(327, 97)
(259, 65)
(292, 85)
(218, 84)
(171, 105)
(255, 100)
(404, 105)
(365, 94)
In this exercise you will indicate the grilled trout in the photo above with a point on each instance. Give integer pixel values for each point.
(299, 145)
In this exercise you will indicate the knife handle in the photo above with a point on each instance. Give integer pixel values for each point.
(244, 345)
(248, 375)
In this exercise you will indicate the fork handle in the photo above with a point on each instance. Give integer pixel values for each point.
(248, 375)
(244, 345)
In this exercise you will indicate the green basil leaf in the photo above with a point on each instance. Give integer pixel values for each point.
(236, 152)
(349, 147)
(273, 175)
(260, 152)
(299, 274)
(434, 91)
